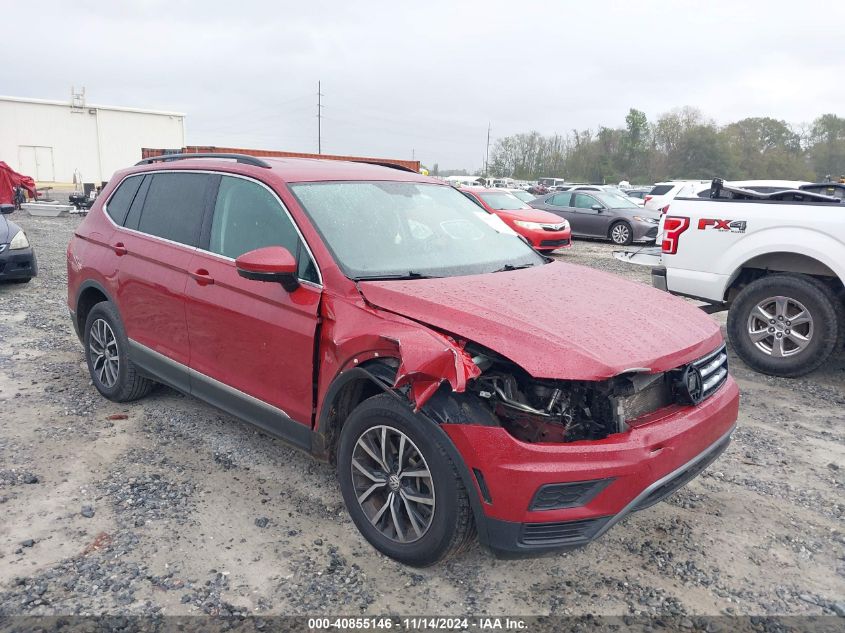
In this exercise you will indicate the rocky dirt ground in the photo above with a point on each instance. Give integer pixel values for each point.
(169, 506)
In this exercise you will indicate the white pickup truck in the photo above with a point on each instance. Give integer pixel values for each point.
(775, 261)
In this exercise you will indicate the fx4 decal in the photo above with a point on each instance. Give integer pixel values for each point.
(734, 226)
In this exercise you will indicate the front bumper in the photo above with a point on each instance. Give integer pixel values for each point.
(547, 240)
(635, 469)
(644, 232)
(18, 264)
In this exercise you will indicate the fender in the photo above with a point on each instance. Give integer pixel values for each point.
(798, 240)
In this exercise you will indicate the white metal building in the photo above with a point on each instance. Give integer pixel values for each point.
(56, 141)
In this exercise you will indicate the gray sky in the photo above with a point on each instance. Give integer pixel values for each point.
(427, 76)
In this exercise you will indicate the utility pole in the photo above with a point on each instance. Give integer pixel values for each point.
(487, 155)
(319, 120)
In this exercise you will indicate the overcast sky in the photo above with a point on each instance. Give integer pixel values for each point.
(425, 77)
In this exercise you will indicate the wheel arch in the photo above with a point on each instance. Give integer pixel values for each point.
(782, 262)
(349, 389)
(90, 293)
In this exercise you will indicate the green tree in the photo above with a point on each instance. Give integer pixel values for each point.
(827, 146)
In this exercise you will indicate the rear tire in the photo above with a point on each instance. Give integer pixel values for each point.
(445, 521)
(786, 325)
(107, 354)
(621, 233)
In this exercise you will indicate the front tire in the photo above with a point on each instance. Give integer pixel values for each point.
(786, 325)
(107, 354)
(621, 233)
(400, 487)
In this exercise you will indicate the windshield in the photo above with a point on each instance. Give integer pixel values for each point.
(504, 201)
(523, 195)
(612, 201)
(408, 230)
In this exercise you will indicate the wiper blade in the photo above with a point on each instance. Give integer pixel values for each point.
(508, 267)
(411, 274)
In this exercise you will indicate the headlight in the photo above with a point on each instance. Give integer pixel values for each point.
(19, 241)
(534, 226)
(640, 218)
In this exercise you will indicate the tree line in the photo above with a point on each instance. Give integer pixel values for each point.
(679, 144)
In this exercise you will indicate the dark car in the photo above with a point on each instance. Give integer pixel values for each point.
(373, 317)
(602, 214)
(17, 259)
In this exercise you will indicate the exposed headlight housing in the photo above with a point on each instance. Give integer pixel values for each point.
(19, 241)
(640, 218)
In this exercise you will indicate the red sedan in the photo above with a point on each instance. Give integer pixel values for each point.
(546, 231)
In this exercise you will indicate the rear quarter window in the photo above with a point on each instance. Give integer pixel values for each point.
(118, 205)
(660, 190)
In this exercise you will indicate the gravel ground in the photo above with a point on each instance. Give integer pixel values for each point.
(169, 506)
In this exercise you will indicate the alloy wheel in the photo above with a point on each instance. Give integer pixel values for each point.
(780, 326)
(620, 233)
(105, 357)
(393, 484)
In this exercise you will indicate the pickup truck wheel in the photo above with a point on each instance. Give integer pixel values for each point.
(785, 325)
(621, 233)
(400, 487)
(106, 351)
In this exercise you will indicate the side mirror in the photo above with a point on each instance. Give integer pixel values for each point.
(6, 209)
(272, 263)
(597, 207)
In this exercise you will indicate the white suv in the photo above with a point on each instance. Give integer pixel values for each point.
(664, 192)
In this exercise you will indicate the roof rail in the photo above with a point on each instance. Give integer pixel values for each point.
(239, 158)
(385, 164)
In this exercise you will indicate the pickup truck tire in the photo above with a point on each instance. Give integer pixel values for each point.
(621, 233)
(781, 348)
(443, 525)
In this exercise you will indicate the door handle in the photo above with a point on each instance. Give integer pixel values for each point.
(202, 277)
(120, 249)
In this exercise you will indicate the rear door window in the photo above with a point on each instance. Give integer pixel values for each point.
(660, 190)
(583, 201)
(174, 206)
(560, 200)
(118, 205)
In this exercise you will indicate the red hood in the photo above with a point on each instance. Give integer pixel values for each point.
(559, 320)
(531, 215)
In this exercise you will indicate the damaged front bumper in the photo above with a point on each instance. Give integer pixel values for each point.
(542, 497)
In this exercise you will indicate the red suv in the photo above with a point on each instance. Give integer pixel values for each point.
(370, 317)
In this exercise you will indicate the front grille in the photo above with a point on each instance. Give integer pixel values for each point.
(667, 389)
(553, 227)
(714, 371)
(554, 242)
(565, 533)
(652, 232)
(567, 495)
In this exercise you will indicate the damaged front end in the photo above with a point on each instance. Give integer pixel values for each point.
(542, 410)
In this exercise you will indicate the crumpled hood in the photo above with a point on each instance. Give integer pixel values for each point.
(559, 320)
